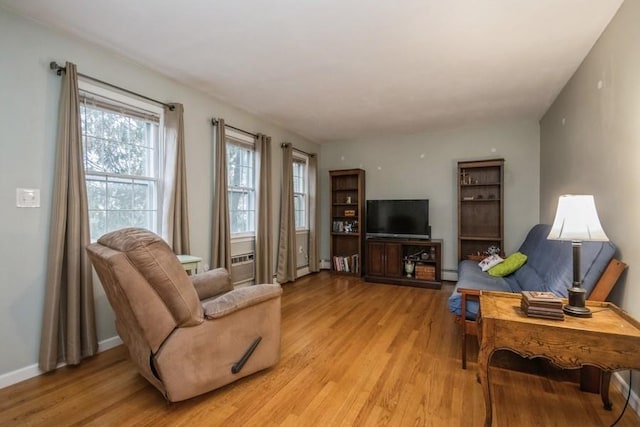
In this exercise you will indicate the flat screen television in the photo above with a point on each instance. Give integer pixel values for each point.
(407, 218)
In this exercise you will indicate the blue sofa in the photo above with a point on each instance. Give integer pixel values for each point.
(549, 267)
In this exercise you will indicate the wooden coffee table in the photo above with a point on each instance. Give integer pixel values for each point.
(609, 340)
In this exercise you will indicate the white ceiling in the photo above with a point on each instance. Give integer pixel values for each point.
(342, 69)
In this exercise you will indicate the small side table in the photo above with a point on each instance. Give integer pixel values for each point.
(189, 262)
(609, 340)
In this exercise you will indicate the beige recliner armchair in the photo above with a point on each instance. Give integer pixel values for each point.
(186, 334)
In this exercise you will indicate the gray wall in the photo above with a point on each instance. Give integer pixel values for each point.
(425, 166)
(28, 115)
(590, 143)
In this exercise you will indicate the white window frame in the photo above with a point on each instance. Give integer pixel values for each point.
(240, 139)
(157, 177)
(302, 158)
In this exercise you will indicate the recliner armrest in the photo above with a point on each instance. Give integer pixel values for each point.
(211, 283)
(238, 299)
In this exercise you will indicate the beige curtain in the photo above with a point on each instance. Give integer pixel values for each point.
(313, 213)
(264, 235)
(286, 271)
(68, 322)
(175, 216)
(221, 233)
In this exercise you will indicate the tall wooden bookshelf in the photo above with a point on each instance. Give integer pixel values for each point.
(480, 207)
(347, 221)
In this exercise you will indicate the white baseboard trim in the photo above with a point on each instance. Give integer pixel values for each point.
(303, 271)
(450, 275)
(19, 375)
(31, 371)
(299, 273)
(623, 388)
(109, 343)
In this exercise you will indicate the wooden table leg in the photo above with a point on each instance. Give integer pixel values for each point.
(484, 360)
(590, 379)
(464, 345)
(463, 323)
(604, 389)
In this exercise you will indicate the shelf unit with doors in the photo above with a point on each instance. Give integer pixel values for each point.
(405, 262)
(480, 207)
(347, 220)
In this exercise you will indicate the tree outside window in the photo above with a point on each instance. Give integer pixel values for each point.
(121, 147)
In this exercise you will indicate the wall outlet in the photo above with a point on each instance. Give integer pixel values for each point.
(28, 197)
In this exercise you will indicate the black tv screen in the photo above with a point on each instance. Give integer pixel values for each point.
(398, 218)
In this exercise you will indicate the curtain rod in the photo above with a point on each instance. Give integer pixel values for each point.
(284, 144)
(214, 122)
(59, 70)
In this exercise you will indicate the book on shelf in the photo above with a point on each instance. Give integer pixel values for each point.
(347, 264)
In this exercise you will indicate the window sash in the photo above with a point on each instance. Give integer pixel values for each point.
(121, 152)
(109, 105)
(300, 193)
(241, 186)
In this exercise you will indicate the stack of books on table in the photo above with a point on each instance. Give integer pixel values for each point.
(541, 304)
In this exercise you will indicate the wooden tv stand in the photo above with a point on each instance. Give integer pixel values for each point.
(386, 262)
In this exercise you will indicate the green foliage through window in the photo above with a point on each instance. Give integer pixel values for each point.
(121, 168)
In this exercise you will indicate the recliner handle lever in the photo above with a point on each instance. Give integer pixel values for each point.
(240, 363)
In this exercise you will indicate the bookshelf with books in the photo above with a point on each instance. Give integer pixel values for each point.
(347, 214)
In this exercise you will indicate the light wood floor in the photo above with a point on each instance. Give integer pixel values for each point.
(353, 353)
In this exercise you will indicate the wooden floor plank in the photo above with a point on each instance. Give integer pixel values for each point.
(353, 353)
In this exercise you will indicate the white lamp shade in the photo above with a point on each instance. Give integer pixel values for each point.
(577, 220)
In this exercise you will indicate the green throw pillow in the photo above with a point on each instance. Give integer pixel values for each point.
(509, 265)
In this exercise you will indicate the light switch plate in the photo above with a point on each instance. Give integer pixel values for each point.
(28, 197)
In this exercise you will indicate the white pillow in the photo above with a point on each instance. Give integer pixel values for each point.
(489, 262)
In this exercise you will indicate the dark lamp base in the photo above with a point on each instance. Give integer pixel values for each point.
(576, 306)
(576, 311)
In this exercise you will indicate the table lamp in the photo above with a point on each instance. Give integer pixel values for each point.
(577, 221)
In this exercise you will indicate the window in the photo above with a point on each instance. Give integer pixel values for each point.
(241, 183)
(300, 192)
(121, 144)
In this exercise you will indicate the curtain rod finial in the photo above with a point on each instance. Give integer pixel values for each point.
(54, 66)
